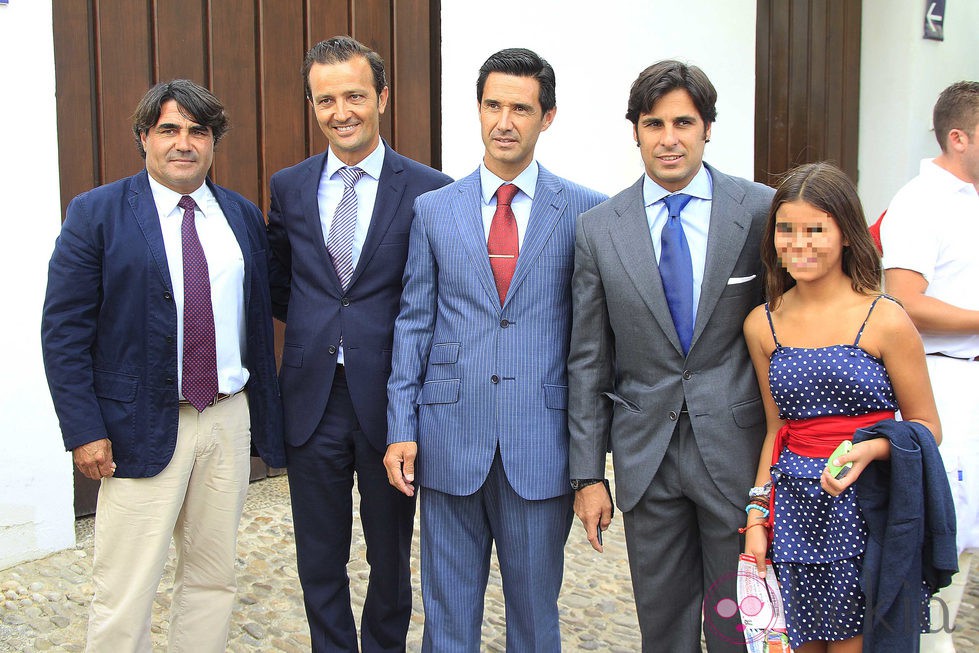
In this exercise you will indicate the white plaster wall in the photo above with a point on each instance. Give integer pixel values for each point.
(901, 76)
(597, 49)
(36, 515)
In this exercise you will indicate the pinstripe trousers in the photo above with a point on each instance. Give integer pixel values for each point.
(457, 534)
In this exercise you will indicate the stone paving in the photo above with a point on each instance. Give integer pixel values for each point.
(45, 602)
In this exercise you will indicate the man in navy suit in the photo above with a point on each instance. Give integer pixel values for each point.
(338, 228)
(158, 348)
(479, 391)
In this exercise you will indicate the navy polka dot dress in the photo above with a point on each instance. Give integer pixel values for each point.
(819, 539)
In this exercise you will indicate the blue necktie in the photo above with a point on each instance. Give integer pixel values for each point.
(340, 242)
(676, 270)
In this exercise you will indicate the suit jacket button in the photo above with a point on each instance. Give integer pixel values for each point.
(504, 323)
(687, 375)
(673, 415)
(332, 349)
(345, 302)
(495, 379)
(167, 295)
(169, 381)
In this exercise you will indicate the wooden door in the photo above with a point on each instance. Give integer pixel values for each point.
(250, 54)
(807, 85)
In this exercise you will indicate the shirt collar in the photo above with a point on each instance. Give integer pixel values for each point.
(166, 199)
(700, 187)
(371, 164)
(525, 181)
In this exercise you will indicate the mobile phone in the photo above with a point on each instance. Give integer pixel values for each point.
(839, 471)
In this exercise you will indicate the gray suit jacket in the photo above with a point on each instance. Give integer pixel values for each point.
(628, 377)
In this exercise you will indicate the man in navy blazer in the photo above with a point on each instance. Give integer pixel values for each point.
(158, 347)
(479, 391)
(338, 228)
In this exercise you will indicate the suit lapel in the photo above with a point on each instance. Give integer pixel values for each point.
(631, 239)
(390, 190)
(311, 212)
(545, 211)
(729, 227)
(145, 213)
(466, 210)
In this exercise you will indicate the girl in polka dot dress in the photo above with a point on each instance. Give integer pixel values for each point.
(832, 355)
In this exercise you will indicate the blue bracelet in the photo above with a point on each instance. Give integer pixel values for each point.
(753, 506)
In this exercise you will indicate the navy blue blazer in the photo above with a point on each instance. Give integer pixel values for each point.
(109, 327)
(911, 551)
(307, 296)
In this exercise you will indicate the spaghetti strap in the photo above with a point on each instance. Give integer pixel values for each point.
(862, 326)
(772, 326)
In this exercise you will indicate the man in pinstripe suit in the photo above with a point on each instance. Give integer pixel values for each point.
(478, 392)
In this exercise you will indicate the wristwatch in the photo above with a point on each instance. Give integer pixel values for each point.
(578, 483)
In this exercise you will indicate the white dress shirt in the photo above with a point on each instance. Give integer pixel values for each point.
(932, 227)
(331, 190)
(695, 220)
(226, 270)
(526, 181)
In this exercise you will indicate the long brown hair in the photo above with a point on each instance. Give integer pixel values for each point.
(827, 188)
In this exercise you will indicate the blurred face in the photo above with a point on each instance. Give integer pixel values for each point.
(511, 120)
(671, 138)
(347, 107)
(808, 241)
(179, 151)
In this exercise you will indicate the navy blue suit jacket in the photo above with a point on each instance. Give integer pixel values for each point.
(911, 549)
(109, 328)
(307, 296)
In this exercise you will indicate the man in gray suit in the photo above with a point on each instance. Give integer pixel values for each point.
(665, 273)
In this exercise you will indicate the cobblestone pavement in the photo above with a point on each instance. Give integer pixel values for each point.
(45, 602)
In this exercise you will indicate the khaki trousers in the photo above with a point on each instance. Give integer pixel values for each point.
(197, 500)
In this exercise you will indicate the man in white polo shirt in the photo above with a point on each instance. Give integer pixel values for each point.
(930, 239)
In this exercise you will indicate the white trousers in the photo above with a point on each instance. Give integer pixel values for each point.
(956, 387)
(197, 500)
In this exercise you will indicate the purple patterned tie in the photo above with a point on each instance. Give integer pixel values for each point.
(340, 242)
(200, 368)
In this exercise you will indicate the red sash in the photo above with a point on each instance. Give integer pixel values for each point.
(817, 437)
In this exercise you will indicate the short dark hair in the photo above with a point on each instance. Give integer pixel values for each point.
(338, 50)
(521, 62)
(957, 108)
(665, 76)
(196, 103)
(827, 188)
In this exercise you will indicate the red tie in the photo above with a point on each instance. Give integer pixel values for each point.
(502, 244)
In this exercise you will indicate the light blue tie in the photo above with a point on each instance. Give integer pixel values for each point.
(340, 242)
(676, 270)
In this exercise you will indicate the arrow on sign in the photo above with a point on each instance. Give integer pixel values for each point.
(933, 17)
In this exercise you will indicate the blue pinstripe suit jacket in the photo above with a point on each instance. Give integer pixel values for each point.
(469, 374)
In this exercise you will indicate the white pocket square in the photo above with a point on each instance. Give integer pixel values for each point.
(736, 280)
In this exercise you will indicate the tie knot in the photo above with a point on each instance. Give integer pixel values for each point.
(675, 203)
(187, 203)
(350, 176)
(505, 194)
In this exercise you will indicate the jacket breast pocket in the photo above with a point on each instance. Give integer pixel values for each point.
(440, 392)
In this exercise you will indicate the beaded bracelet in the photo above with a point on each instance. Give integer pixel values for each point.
(754, 506)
